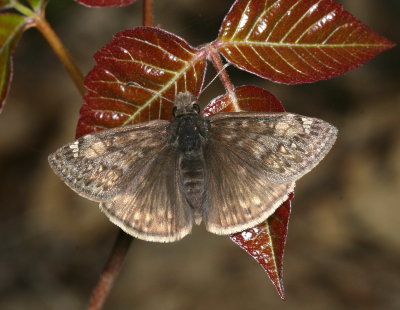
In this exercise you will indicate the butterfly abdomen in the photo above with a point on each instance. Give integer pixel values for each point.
(192, 178)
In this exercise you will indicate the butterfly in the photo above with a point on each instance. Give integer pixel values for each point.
(230, 170)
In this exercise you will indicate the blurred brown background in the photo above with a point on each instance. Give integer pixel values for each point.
(343, 249)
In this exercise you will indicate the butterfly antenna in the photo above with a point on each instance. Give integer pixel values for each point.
(135, 84)
(219, 72)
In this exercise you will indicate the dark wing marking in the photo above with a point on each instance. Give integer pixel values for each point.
(153, 207)
(99, 165)
(285, 146)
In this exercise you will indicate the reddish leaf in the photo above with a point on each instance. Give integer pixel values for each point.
(162, 63)
(11, 27)
(105, 3)
(266, 241)
(296, 41)
(249, 98)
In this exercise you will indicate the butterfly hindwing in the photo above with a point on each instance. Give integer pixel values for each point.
(153, 207)
(99, 165)
(239, 195)
(285, 146)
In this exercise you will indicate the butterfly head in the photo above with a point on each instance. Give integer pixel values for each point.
(185, 104)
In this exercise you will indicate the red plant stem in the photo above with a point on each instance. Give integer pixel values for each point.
(110, 271)
(223, 75)
(148, 13)
(60, 50)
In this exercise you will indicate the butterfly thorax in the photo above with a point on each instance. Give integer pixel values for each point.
(191, 131)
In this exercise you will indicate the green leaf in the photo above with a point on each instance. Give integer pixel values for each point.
(11, 27)
(37, 5)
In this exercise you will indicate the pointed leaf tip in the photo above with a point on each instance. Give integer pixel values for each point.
(293, 41)
(266, 243)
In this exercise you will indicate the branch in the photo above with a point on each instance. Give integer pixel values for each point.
(223, 75)
(148, 13)
(110, 271)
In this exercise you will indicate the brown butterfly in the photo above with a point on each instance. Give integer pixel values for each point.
(230, 170)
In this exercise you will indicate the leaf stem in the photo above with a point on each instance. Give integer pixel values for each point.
(110, 271)
(22, 8)
(223, 75)
(60, 50)
(148, 13)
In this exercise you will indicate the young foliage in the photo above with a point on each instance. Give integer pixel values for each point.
(162, 65)
(249, 99)
(294, 42)
(285, 41)
(11, 27)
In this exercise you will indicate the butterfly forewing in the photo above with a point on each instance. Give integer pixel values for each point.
(153, 207)
(284, 146)
(100, 165)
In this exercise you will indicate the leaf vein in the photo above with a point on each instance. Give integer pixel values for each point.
(305, 61)
(311, 8)
(118, 100)
(158, 46)
(167, 85)
(141, 63)
(330, 35)
(326, 16)
(330, 56)
(260, 17)
(318, 60)
(280, 19)
(266, 62)
(242, 20)
(288, 62)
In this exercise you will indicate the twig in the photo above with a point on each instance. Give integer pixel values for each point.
(110, 271)
(223, 75)
(147, 12)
